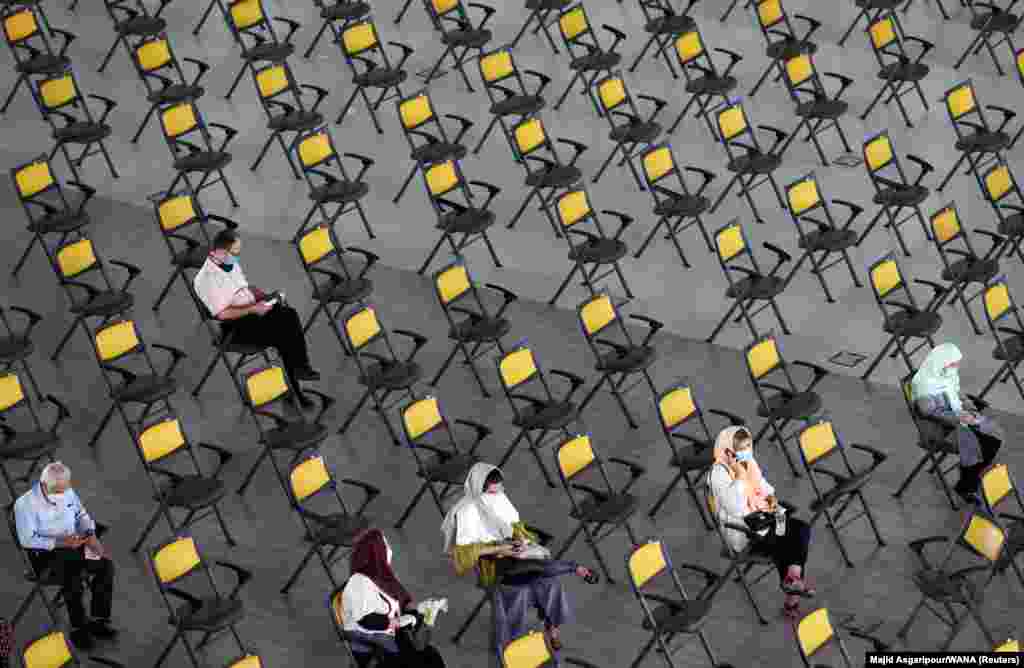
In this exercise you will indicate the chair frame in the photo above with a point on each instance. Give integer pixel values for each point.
(326, 179)
(493, 84)
(176, 144)
(627, 147)
(664, 24)
(976, 155)
(18, 344)
(993, 494)
(986, 25)
(22, 61)
(706, 71)
(587, 54)
(278, 111)
(461, 22)
(36, 454)
(168, 86)
(261, 31)
(1008, 349)
(1005, 210)
(878, 154)
(426, 148)
(781, 38)
(888, 40)
(357, 10)
(362, 57)
(809, 91)
(122, 14)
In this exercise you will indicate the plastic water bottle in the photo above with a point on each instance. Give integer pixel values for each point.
(780, 521)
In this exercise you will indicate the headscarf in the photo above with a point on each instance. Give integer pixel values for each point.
(478, 517)
(934, 378)
(370, 556)
(756, 488)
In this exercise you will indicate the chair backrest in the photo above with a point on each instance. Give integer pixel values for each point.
(441, 8)
(645, 563)
(21, 24)
(885, 277)
(573, 207)
(266, 385)
(452, 283)
(362, 327)
(442, 178)
(421, 417)
(676, 406)
(945, 224)
(416, 110)
(359, 37)
(308, 478)
(658, 162)
(763, 357)
(273, 80)
(33, 178)
(878, 153)
(732, 122)
(316, 245)
(596, 314)
(248, 661)
(998, 301)
(961, 101)
(76, 258)
(529, 651)
(689, 47)
(517, 367)
(115, 340)
(814, 632)
(176, 210)
(1009, 645)
(731, 242)
(530, 136)
(315, 148)
(804, 195)
(50, 650)
(984, 537)
(153, 53)
(770, 13)
(497, 66)
(179, 119)
(175, 560)
(574, 456)
(12, 394)
(160, 440)
(818, 441)
(997, 485)
(612, 94)
(573, 23)
(58, 91)
(246, 14)
(800, 70)
(883, 33)
(999, 182)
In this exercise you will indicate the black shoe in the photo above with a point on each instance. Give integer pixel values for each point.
(308, 374)
(970, 498)
(82, 639)
(101, 628)
(305, 402)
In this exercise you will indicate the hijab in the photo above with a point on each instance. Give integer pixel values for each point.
(371, 556)
(756, 488)
(935, 378)
(479, 517)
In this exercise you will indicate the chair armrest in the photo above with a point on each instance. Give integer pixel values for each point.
(418, 341)
(370, 492)
(926, 167)
(1008, 115)
(544, 537)
(577, 147)
(201, 69)
(370, 257)
(710, 577)
(223, 455)
(706, 175)
(229, 134)
(132, 270)
(575, 381)
(734, 420)
(226, 222)
(997, 241)
(293, 26)
(406, 52)
(734, 59)
(176, 354)
(844, 82)
(596, 494)
(918, 546)
(321, 94)
(492, 191)
(244, 575)
(979, 402)
(618, 35)
(925, 45)
(366, 162)
(62, 412)
(636, 471)
(507, 296)
(782, 256)
(818, 370)
(105, 661)
(488, 12)
(779, 135)
(658, 103)
(875, 453)
(88, 192)
(192, 601)
(653, 327)
(625, 221)
(541, 77)
(325, 403)
(464, 125)
(812, 26)
(576, 662)
(855, 210)
(33, 317)
(1011, 516)
(481, 431)
(108, 106)
(174, 477)
(67, 37)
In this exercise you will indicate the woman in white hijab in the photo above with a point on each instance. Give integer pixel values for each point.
(936, 392)
(483, 531)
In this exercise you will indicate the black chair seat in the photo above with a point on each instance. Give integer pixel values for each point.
(295, 436)
(562, 176)
(518, 105)
(640, 133)
(345, 11)
(104, 304)
(634, 358)
(711, 85)
(451, 470)
(971, 270)
(547, 5)
(244, 349)
(693, 460)
(175, 93)
(995, 22)
(60, 222)
(983, 142)
(193, 492)
(880, 5)
(203, 161)
(790, 407)
(483, 330)
(907, 323)
(145, 389)
(548, 415)
(684, 617)
(44, 63)
(843, 488)
(1011, 226)
(599, 251)
(191, 258)
(756, 287)
(1014, 539)
(676, 24)
(339, 192)
(598, 60)
(439, 152)
(470, 221)
(755, 163)
(392, 376)
(340, 529)
(790, 48)
(751, 557)
(908, 195)
(380, 77)
(1013, 347)
(822, 109)
(682, 205)
(215, 614)
(82, 132)
(296, 121)
(141, 26)
(274, 52)
(934, 437)
(940, 586)
(344, 292)
(15, 348)
(612, 510)
(29, 445)
(904, 72)
(470, 38)
(832, 239)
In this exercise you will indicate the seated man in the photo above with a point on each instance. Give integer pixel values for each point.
(58, 534)
(248, 314)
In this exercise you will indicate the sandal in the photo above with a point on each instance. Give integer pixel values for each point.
(593, 578)
(797, 587)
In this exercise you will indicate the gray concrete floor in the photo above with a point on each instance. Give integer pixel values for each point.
(295, 630)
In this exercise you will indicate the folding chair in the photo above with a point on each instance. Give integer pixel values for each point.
(962, 266)
(541, 413)
(534, 651)
(818, 109)
(596, 250)
(902, 319)
(275, 83)
(416, 112)
(755, 285)
(185, 130)
(893, 190)
(461, 224)
(47, 206)
(272, 402)
(540, 11)
(997, 487)
(1004, 194)
(336, 16)
(32, 443)
(440, 461)
(664, 24)
(704, 82)
(872, 11)
(362, 48)
(253, 30)
(938, 442)
(994, 27)
(75, 261)
(352, 642)
(335, 530)
(590, 59)
(819, 442)
(547, 175)
(980, 536)
(809, 208)
(899, 73)
(317, 154)
(17, 345)
(814, 632)
(511, 101)
(222, 340)
(755, 166)
(676, 613)
(140, 385)
(782, 42)
(474, 329)
(599, 508)
(178, 560)
(1009, 645)
(633, 133)
(195, 492)
(184, 227)
(977, 142)
(459, 35)
(132, 20)
(163, 76)
(617, 357)
(780, 404)
(52, 650)
(34, 56)
(56, 96)
(382, 372)
(1009, 336)
(678, 406)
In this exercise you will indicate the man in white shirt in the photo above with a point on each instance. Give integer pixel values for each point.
(249, 315)
(58, 534)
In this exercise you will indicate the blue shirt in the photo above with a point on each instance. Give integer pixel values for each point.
(41, 521)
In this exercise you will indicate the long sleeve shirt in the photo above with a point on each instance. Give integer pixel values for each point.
(730, 496)
(219, 289)
(41, 522)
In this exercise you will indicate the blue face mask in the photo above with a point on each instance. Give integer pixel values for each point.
(228, 263)
(745, 455)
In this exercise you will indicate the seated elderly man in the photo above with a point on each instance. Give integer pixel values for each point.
(58, 534)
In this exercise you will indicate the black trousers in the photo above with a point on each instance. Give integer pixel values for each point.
(970, 476)
(279, 328)
(69, 565)
(408, 656)
(790, 549)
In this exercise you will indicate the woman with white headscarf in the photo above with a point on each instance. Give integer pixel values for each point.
(936, 392)
(483, 531)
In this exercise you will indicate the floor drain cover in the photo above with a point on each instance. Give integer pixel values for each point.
(847, 359)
